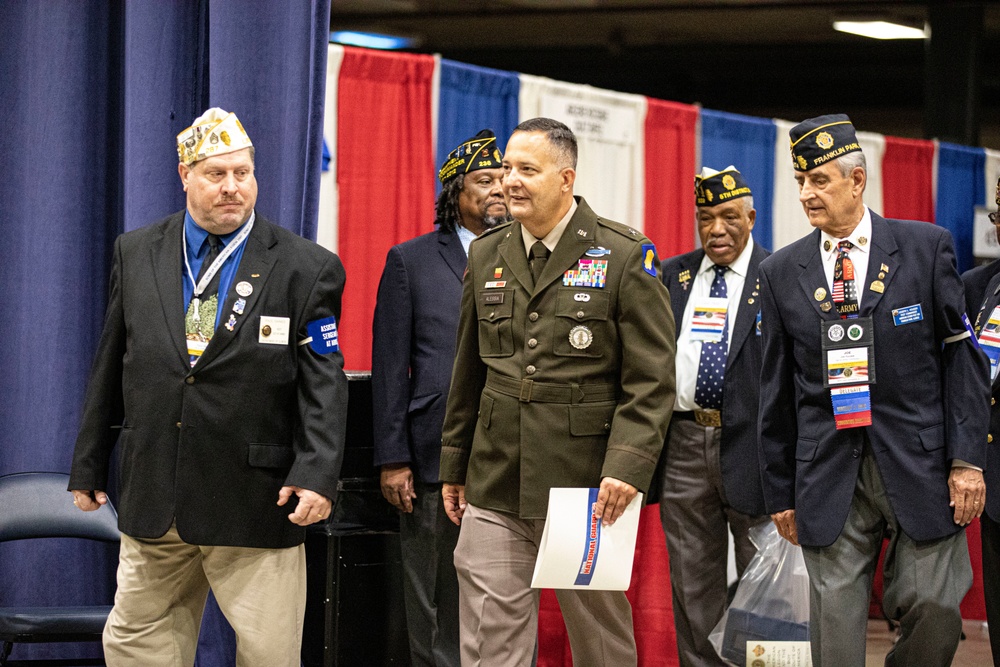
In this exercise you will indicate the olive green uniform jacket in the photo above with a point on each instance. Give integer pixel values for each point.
(557, 385)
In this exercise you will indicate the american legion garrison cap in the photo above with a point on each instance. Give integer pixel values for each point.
(479, 152)
(713, 187)
(818, 140)
(215, 132)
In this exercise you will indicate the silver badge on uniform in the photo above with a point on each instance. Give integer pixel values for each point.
(580, 337)
(244, 289)
(581, 296)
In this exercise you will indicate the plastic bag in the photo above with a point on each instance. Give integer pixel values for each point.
(772, 600)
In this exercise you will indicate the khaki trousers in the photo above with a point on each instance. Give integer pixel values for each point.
(498, 609)
(162, 588)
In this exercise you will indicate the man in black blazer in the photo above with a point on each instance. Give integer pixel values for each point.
(987, 300)
(709, 466)
(413, 333)
(228, 418)
(873, 410)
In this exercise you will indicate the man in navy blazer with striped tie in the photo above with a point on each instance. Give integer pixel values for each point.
(709, 468)
(874, 410)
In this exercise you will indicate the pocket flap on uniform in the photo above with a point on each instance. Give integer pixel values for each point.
(581, 305)
(264, 455)
(496, 304)
(485, 410)
(591, 419)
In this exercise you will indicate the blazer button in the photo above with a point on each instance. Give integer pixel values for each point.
(993, 401)
(530, 370)
(178, 424)
(532, 342)
(533, 317)
(989, 437)
(580, 314)
(855, 453)
(607, 426)
(189, 379)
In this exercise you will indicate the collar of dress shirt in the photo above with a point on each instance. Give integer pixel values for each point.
(864, 229)
(552, 238)
(197, 237)
(465, 236)
(739, 267)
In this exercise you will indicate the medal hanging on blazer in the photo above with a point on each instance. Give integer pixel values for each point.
(199, 321)
(848, 348)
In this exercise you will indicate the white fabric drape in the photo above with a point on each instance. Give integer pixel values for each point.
(329, 196)
(609, 126)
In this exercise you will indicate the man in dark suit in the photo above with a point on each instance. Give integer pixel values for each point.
(873, 411)
(987, 328)
(709, 466)
(229, 419)
(413, 333)
(563, 378)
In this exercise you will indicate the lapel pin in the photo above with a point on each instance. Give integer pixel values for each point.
(255, 275)
(877, 286)
(244, 289)
(827, 245)
(825, 306)
(885, 268)
(862, 240)
(819, 294)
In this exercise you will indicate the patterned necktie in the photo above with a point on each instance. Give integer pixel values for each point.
(712, 365)
(199, 321)
(539, 255)
(845, 291)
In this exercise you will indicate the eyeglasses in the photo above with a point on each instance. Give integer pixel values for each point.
(993, 217)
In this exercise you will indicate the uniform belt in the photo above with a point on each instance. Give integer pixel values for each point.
(703, 417)
(550, 392)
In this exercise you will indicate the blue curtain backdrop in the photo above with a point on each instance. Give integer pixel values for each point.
(748, 144)
(94, 93)
(471, 99)
(960, 188)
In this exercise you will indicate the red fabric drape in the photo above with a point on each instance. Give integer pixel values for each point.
(670, 167)
(385, 174)
(652, 611)
(908, 179)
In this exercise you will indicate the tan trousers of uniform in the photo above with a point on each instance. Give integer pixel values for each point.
(162, 588)
(498, 609)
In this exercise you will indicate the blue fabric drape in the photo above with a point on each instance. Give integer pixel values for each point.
(95, 92)
(748, 144)
(473, 98)
(960, 188)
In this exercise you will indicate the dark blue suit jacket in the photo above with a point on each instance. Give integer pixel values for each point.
(413, 349)
(989, 298)
(738, 455)
(930, 404)
(975, 281)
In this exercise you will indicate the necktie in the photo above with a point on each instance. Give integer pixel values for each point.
(712, 364)
(539, 255)
(214, 248)
(845, 292)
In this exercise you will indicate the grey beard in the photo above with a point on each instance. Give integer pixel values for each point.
(491, 221)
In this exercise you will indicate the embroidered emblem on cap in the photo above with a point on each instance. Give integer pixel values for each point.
(824, 140)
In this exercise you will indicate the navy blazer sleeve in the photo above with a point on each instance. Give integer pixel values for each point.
(392, 333)
(777, 423)
(322, 392)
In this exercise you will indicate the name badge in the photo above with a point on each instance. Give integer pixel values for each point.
(848, 348)
(273, 330)
(708, 318)
(907, 315)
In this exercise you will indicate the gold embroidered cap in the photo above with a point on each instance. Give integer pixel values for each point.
(215, 132)
(479, 152)
(821, 139)
(713, 187)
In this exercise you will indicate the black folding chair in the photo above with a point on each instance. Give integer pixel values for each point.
(37, 505)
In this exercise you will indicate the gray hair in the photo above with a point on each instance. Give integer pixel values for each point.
(848, 162)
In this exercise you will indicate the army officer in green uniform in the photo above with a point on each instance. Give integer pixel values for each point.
(564, 377)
